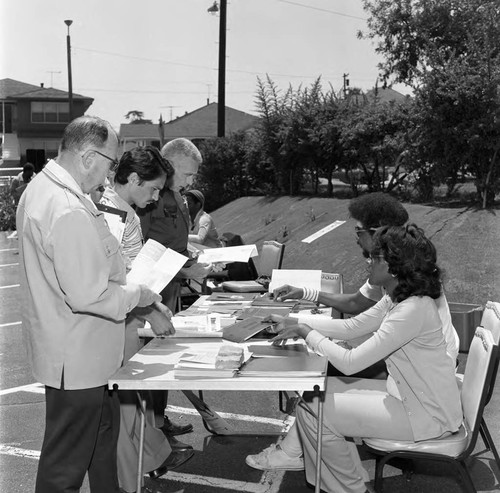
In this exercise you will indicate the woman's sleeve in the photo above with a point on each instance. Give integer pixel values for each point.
(402, 325)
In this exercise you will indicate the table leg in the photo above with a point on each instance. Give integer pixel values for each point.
(140, 464)
(319, 438)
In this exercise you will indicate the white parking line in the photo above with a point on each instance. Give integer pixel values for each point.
(9, 249)
(10, 324)
(11, 286)
(270, 481)
(8, 265)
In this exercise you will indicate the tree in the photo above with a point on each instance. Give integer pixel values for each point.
(136, 116)
(449, 51)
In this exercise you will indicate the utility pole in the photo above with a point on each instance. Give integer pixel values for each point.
(70, 79)
(346, 84)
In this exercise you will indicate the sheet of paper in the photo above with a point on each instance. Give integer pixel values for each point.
(323, 231)
(295, 277)
(155, 266)
(228, 254)
(115, 224)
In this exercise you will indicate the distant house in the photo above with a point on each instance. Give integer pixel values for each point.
(198, 125)
(33, 120)
(385, 95)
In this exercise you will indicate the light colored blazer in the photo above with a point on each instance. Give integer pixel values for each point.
(408, 336)
(73, 284)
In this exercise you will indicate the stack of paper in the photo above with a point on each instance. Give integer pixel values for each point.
(201, 364)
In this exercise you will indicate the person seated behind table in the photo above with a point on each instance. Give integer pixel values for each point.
(370, 212)
(203, 230)
(420, 399)
(20, 182)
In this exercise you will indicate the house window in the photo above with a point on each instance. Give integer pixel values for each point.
(49, 112)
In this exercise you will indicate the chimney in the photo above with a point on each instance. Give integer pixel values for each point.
(41, 85)
(208, 101)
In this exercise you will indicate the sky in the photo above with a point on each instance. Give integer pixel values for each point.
(161, 56)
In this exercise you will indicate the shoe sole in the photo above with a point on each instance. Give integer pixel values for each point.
(261, 468)
(176, 434)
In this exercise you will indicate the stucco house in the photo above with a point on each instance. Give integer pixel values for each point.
(32, 121)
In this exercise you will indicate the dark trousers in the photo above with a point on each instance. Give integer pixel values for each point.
(81, 434)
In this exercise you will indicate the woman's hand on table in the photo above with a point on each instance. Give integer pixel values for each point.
(286, 328)
(288, 292)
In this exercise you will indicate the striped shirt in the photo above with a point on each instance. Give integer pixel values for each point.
(132, 236)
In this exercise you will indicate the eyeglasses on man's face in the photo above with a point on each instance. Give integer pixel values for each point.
(114, 162)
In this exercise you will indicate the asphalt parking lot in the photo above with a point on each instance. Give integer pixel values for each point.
(219, 462)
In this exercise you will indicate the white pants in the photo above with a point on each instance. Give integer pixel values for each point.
(353, 407)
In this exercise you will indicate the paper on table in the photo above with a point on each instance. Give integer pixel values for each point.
(295, 277)
(155, 266)
(228, 254)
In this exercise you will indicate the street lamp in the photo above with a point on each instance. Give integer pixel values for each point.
(70, 81)
(221, 105)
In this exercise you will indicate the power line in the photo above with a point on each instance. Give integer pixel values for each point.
(156, 60)
(324, 10)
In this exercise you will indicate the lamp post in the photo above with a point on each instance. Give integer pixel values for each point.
(70, 80)
(221, 105)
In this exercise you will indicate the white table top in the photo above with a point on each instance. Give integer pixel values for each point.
(152, 368)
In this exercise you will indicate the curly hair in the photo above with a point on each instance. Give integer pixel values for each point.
(377, 209)
(146, 161)
(411, 258)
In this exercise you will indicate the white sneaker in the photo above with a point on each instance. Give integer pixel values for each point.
(273, 458)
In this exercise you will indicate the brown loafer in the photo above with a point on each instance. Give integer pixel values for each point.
(174, 460)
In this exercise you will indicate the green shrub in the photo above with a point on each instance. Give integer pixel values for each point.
(7, 210)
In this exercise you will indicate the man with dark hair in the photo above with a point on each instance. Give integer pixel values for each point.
(140, 176)
(76, 299)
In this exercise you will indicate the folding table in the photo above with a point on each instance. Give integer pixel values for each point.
(152, 368)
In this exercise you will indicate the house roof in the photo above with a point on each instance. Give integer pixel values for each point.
(199, 124)
(14, 89)
(385, 95)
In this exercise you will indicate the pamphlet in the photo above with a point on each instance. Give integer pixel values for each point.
(295, 277)
(228, 254)
(155, 266)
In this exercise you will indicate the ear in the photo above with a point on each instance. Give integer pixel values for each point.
(87, 159)
(133, 178)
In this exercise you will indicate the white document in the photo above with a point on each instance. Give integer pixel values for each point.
(228, 254)
(116, 225)
(323, 231)
(295, 277)
(155, 266)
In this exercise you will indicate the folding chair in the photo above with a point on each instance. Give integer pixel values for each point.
(271, 257)
(479, 377)
(491, 321)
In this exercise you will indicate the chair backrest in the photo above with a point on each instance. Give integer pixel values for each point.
(491, 319)
(271, 257)
(333, 284)
(479, 376)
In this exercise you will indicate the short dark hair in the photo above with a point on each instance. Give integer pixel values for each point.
(146, 161)
(412, 258)
(377, 209)
(85, 131)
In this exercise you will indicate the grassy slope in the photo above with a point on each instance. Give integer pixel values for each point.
(466, 240)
